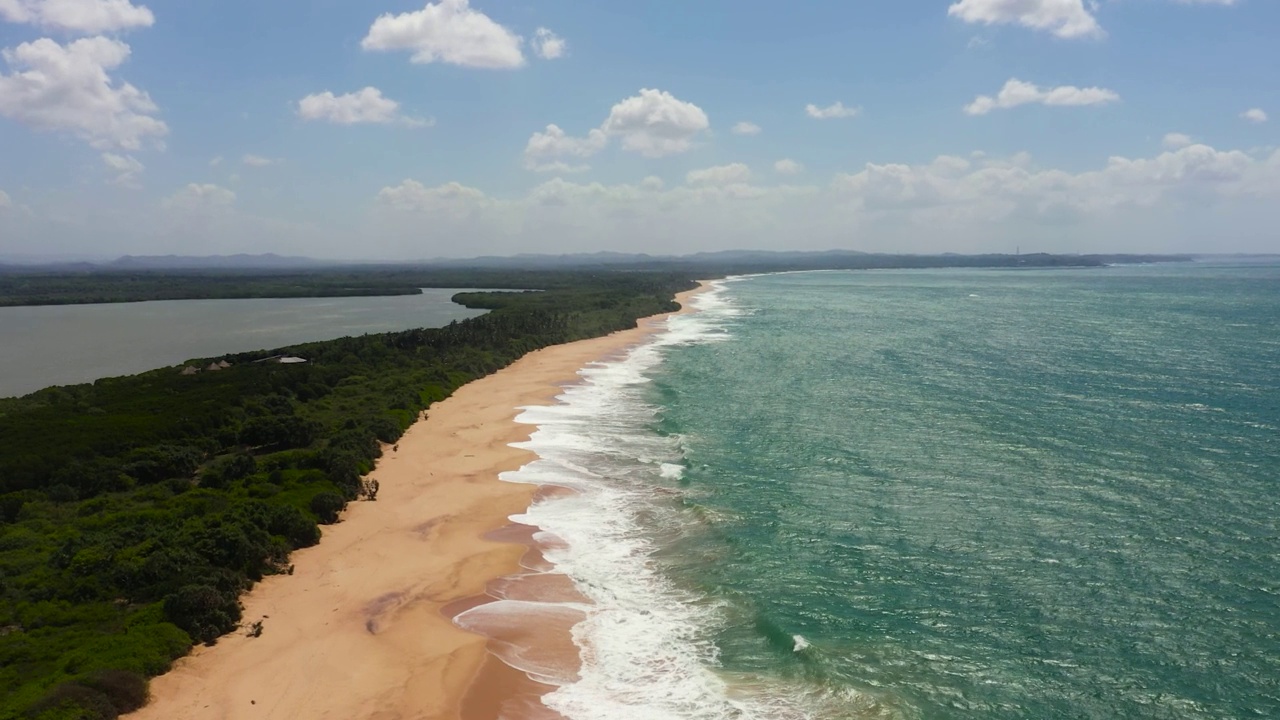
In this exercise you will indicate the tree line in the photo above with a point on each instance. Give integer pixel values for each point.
(50, 286)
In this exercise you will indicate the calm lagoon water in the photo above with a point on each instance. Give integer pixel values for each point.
(68, 344)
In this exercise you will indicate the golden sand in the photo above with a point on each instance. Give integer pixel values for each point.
(361, 630)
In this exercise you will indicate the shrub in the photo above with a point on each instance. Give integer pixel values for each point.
(327, 505)
(290, 523)
(205, 612)
(72, 701)
(127, 691)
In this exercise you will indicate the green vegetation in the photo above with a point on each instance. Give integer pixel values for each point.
(135, 511)
(53, 286)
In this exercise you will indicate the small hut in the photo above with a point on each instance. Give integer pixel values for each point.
(190, 370)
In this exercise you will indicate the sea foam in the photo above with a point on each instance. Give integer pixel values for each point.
(644, 643)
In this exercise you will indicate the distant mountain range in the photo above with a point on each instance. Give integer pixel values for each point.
(269, 261)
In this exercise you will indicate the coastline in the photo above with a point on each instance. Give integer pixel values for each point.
(363, 628)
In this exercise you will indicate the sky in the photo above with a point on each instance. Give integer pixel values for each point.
(404, 130)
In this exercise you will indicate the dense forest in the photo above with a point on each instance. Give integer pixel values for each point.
(107, 284)
(135, 511)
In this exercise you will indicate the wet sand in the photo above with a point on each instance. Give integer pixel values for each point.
(362, 629)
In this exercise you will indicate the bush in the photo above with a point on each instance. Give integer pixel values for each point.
(151, 465)
(290, 523)
(386, 429)
(127, 691)
(327, 505)
(205, 612)
(72, 701)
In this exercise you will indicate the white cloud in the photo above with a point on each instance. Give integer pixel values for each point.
(216, 161)
(788, 167)
(126, 167)
(1064, 18)
(1196, 199)
(734, 174)
(82, 16)
(838, 110)
(449, 32)
(1163, 203)
(1256, 115)
(412, 195)
(544, 148)
(654, 124)
(1177, 141)
(66, 87)
(364, 106)
(955, 189)
(5, 201)
(547, 45)
(198, 197)
(652, 183)
(258, 161)
(1016, 92)
(745, 128)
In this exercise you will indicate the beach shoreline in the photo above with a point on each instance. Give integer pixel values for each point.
(363, 627)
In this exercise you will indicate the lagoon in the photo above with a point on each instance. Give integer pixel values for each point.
(69, 344)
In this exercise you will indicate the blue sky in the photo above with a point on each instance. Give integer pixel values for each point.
(198, 127)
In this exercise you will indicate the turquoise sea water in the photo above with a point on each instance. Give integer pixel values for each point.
(936, 495)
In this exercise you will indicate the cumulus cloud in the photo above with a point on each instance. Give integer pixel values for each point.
(413, 196)
(788, 167)
(451, 32)
(654, 124)
(363, 106)
(126, 168)
(745, 128)
(1176, 141)
(1016, 92)
(544, 149)
(1256, 115)
(198, 197)
(838, 110)
(80, 16)
(954, 190)
(67, 88)
(1063, 18)
(547, 45)
(983, 202)
(258, 161)
(734, 174)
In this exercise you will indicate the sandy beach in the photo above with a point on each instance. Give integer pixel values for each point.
(362, 628)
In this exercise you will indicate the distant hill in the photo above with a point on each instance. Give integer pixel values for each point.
(268, 261)
(639, 260)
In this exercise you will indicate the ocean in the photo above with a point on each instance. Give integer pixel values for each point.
(925, 494)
